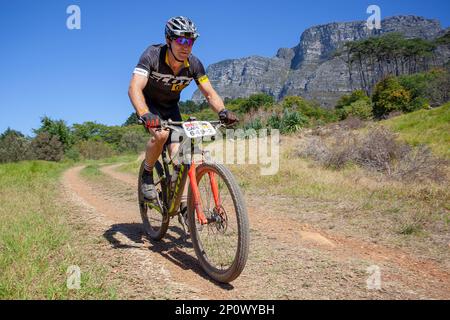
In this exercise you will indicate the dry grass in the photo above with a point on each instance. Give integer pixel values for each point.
(377, 149)
(352, 200)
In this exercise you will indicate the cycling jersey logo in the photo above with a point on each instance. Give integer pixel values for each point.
(179, 87)
(177, 83)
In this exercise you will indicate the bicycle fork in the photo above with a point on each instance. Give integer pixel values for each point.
(196, 193)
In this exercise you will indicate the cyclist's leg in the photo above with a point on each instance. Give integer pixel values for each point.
(173, 144)
(156, 143)
(153, 151)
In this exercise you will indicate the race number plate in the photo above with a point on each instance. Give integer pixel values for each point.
(197, 129)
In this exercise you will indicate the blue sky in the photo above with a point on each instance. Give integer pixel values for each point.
(82, 75)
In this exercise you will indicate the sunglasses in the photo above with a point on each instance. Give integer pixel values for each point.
(184, 41)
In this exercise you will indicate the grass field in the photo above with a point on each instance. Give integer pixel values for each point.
(430, 127)
(38, 242)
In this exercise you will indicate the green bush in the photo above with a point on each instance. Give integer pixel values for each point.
(348, 99)
(73, 154)
(256, 101)
(356, 104)
(289, 121)
(361, 109)
(255, 124)
(274, 121)
(292, 121)
(389, 96)
(309, 109)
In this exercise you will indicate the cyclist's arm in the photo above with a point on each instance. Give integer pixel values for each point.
(135, 92)
(214, 100)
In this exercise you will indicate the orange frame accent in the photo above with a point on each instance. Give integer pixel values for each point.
(215, 189)
(196, 193)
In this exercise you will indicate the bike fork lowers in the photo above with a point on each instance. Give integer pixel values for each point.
(196, 193)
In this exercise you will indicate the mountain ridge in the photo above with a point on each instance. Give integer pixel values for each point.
(309, 69)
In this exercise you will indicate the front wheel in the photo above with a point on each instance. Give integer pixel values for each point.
(222, 245)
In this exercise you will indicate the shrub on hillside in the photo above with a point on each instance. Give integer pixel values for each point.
(348, 99)
(357, 105)
(289, 121)
(379, 149)
(361, 109)
(257, 101)
(390, 95)
(256, 119)
(420, 165)
(309, 109)
(427, 88)
(292, 121)
(376, 150)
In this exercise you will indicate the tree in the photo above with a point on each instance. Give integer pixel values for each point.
(57, 128)
(427, 88)
(14, 146)
(47, 147)
(89, 131)
(132, 120)
(133, 141)
(375, 58)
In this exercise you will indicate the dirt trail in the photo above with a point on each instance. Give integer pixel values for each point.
(288, 259)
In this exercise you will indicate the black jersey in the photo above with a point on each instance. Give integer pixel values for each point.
(163, 88)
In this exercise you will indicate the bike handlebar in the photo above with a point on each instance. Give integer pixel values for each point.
(166, 123)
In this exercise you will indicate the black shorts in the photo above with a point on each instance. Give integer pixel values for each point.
(166, 114)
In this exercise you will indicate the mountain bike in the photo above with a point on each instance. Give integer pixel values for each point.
(217, 218)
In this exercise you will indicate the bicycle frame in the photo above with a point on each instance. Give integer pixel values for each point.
(189, 171)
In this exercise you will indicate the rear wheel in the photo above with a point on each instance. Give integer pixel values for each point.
(222, 245)
(155, 221)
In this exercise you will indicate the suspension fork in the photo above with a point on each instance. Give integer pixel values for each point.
(196, 194)
(215, 189)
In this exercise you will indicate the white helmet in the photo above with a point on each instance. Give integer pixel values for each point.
(181, 27)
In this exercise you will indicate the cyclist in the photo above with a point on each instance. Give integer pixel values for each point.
(162, 72)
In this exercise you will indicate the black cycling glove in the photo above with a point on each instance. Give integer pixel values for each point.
(228, 117)
(150, 121)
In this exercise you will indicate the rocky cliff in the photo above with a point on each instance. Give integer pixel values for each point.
(310, 69)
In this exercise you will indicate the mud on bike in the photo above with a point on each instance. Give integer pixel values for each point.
(216, 213)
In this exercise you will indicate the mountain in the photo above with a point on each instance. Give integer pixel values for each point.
(311, 69)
